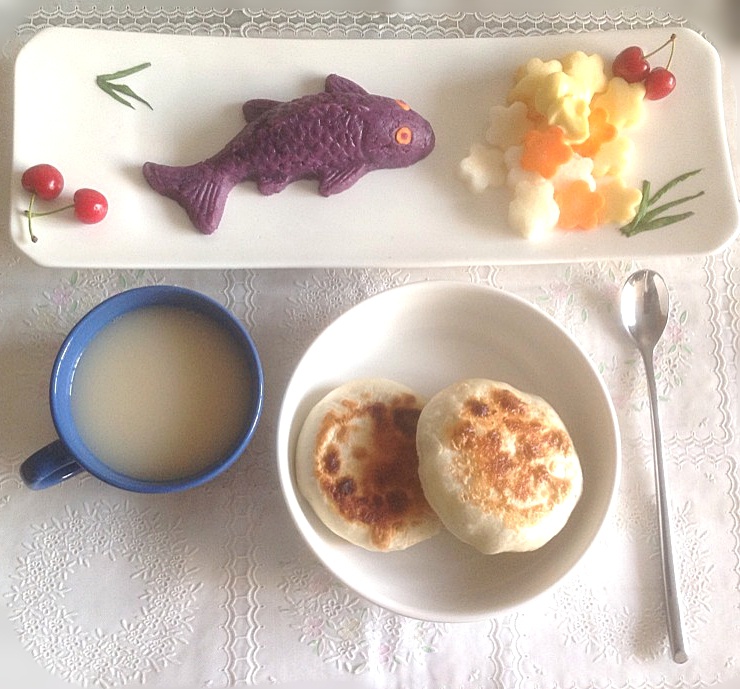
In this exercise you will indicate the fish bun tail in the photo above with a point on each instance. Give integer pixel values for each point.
(200, 189)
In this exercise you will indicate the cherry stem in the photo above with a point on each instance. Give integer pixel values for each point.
(56, 210)
(673, 47)
(672, 41)
(30, 214)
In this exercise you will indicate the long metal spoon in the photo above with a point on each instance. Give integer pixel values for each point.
(644, 308)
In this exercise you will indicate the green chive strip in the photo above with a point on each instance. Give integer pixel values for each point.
(118, 91)
(650, 217)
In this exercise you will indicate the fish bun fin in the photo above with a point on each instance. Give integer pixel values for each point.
(336, 84)
(199, 189)
(255, 108)
(334, 181)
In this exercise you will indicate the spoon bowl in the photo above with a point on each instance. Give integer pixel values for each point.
(644, 307)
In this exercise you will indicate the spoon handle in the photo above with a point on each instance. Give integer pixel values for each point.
(675, 634)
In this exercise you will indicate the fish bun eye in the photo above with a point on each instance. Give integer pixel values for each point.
(403, 136)
(403, 104)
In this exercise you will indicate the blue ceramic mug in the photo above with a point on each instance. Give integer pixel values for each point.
(71, 453)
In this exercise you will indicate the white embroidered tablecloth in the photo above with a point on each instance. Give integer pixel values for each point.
(215, 588)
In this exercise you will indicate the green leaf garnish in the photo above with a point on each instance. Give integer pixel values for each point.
(649, 216)
(118, 91)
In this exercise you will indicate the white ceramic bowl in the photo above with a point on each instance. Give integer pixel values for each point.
(428, 335)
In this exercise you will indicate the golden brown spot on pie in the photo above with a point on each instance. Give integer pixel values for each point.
(343, 487)
(331, 460)
(378, 482)
(478, 408)
(405, 420)
(503, 448)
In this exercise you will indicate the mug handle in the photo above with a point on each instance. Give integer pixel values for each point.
(48, 466)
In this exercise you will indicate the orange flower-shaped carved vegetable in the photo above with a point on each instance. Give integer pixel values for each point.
(600, 132)
(545, 151)
(580, 208)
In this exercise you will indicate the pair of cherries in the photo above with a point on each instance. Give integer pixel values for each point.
(633, 66)
(46, 182)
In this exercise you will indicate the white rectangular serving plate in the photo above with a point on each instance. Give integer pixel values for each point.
(422, 215)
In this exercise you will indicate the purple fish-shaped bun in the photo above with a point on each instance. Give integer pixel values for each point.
(336, 137)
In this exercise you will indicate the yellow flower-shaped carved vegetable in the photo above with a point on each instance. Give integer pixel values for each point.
(588, 70)
(614, 157)
(620, 201)
(624, 103)
(571, 115)
(562, 100)
(529, 77)
(552, 88)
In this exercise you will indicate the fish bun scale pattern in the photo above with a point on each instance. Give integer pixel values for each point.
(291, 148)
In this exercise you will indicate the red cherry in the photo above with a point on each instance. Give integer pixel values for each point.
(659, 83)
(90, 206)
(631, 65)
(44, 180)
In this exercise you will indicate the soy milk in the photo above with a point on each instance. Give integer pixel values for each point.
(161, 393)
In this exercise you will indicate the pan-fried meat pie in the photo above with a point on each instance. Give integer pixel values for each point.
(497, 465)
(356, 464)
